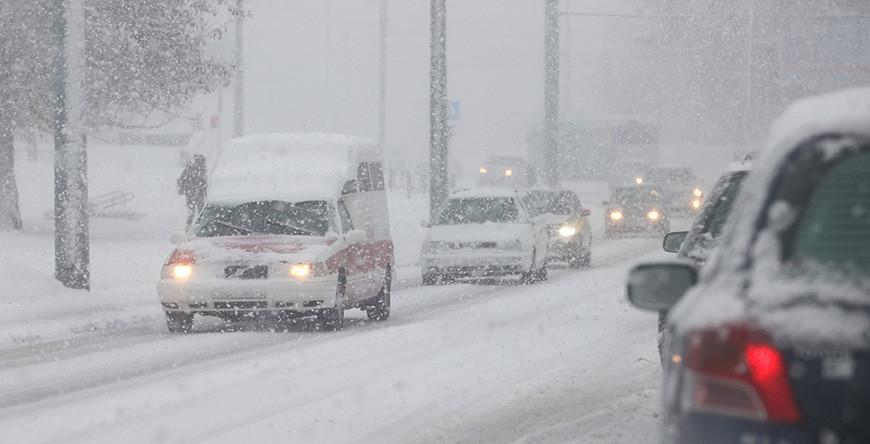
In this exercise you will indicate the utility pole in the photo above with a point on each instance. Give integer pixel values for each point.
(438, 132)
(748, 104)
(551, 93)
(71, 233)
(382, 71)
(239, 98)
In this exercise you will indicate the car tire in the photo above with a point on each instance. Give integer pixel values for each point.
(529, 277)
(379, 310)
(543, 273)
(179, 322)
(332, 319)
(430, 279)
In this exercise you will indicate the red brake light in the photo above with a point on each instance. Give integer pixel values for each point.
(735, 370)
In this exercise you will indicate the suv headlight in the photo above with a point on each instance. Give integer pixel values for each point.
(567, 231)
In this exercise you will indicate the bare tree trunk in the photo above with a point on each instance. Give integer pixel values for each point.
(10, 215)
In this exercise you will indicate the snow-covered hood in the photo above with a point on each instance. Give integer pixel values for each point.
(487, 232)
(263, 248)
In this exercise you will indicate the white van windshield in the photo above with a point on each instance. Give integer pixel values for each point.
(310, 218)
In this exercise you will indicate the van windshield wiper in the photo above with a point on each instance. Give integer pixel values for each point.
(234, 227)
(292, 227)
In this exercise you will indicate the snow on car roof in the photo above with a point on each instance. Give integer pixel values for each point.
(290, 167)
(484, 192)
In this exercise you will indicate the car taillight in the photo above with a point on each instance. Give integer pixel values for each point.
(736, 370)
(181, 257)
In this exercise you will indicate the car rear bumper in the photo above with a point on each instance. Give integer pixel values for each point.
(233, 295)
(709, 428)
(471, 266)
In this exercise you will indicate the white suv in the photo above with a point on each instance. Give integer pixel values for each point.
(484, 233)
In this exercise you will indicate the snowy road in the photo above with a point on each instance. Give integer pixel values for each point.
(566, 360)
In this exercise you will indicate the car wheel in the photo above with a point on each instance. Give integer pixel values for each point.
(530, 276)
(543, 273)
(332, 319)
(179, 322)
(430, 279)
(380, 309)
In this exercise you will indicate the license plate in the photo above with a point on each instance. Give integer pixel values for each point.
(837, 367)
(239, 295)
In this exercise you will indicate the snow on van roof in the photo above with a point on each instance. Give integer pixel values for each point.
(290, 167)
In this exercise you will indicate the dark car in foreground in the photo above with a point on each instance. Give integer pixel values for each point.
(635, 209)
(772, 344)
(568, 224)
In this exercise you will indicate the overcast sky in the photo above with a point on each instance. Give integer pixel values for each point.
(312, 65)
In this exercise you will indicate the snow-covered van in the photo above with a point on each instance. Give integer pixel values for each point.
(294, 225)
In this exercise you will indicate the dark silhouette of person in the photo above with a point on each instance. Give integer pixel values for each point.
(193, 185)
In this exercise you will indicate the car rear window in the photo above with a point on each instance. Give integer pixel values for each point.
(835, 226)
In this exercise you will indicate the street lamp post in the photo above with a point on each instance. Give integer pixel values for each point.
(438, 132)
(551, 93)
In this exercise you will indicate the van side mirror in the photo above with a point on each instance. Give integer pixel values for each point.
(349, 187)
(658, 286)
(585, 212)
(673, 241)
(356, 236)
(178, 237)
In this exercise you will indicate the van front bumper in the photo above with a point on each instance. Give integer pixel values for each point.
(477, 265)
(236, 295)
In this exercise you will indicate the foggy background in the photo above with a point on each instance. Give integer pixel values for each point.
(710, 74)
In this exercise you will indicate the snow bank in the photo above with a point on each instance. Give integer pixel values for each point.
(288, 167)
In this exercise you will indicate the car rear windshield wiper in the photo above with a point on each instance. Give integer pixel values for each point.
(292, 227)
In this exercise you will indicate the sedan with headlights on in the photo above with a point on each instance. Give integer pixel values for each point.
(568, 222)
(484, 233)
(635, 209)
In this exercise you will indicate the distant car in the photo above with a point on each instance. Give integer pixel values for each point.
(484, 233)
(628, 172)
(681, 189)
(568, 222)
(635, 209)
(295, 225)
(507, 172)
(772, 344)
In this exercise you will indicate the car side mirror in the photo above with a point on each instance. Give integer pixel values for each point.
(605, 203)
(658, 286)
(673, 241)
(356, 236)
(585, 212)
(178, 237)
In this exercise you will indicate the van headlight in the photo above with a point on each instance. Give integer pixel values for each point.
(182, 271)
(300, 271)
(567, 231)
(514, 245)
(616, 215)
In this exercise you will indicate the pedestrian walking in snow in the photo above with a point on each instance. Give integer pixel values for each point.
(193, 184)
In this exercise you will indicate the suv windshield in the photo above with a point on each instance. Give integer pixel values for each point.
(835, 226)
(634, 196)
(563, 203)
(309, 218)
(478, 210)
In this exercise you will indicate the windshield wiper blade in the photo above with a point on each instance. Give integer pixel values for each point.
(292, 227)
(234, 227)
